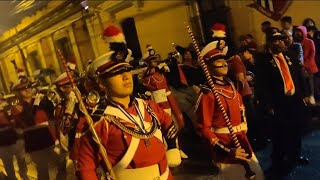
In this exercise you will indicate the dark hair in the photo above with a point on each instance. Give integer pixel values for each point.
(249, 36)
(269, 33)
(271, 30)
(305, 22)
(243, 49)
(287, 19)
(245, 36)
(266, 23)
(116, 46)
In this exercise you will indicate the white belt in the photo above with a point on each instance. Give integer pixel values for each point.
(38, 126)
(5, 128)
(160, 96)
(145, 173)
(241, 127)
(131, 151)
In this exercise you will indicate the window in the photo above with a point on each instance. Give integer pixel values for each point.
(34, 60)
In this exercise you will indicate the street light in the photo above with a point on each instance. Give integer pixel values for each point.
(84, 4)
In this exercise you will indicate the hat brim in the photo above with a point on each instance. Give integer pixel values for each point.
(278, 37)
(25, 86)
(151, 58)
(117, 69)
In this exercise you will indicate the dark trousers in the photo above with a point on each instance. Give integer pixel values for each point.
(287, 129)
(255, 130)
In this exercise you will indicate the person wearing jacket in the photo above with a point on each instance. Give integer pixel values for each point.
(10, 144)
(314, 34)
(282, 91)
(32, 115)
(212, 124)
(155, 82)
(131, 130)
(309, 52)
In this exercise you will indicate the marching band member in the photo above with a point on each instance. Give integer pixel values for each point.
(32, 114)
(66, 117)
(155, 82)
(130, 128)
(212, 125)
(9, 144)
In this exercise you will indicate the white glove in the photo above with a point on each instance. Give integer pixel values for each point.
(56, 148)
(72, 100)
(72, 97)
(173, 157)
(161, 65)
(37, 99)
(166, 68)
(56, 143)
(3, 105)
(70, 107)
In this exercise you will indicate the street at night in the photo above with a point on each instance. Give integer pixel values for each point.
(198, 166)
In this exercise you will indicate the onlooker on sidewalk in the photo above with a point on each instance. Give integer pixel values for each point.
(314, 34)
(264, 27)
(286, 24)
(300, 35)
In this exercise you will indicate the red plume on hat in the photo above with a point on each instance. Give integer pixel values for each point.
(113, 34)
(219, 30)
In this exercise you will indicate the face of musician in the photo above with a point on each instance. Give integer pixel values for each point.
(286, 25)
(277, 46)
(219, 68)
(26, 93)
(120, 85)
(153, 63)
(187, 55)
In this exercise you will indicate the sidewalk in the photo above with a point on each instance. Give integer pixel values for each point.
(32, 172)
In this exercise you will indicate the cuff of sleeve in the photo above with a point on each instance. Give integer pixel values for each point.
(222, 147)
(214, 141)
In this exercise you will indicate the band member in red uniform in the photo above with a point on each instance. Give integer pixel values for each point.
(66, 117)
(155, 82)
(64, 112)
(212, 125)
(9, 145)
(32, 114)
(130, 129)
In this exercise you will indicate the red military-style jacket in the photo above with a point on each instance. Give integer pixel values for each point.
(34, 120)
(157, 81)
(117, 141)
(212, 125)
(4, 119)
(8, 135)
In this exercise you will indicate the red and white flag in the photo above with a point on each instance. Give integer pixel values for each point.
(274, 9)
